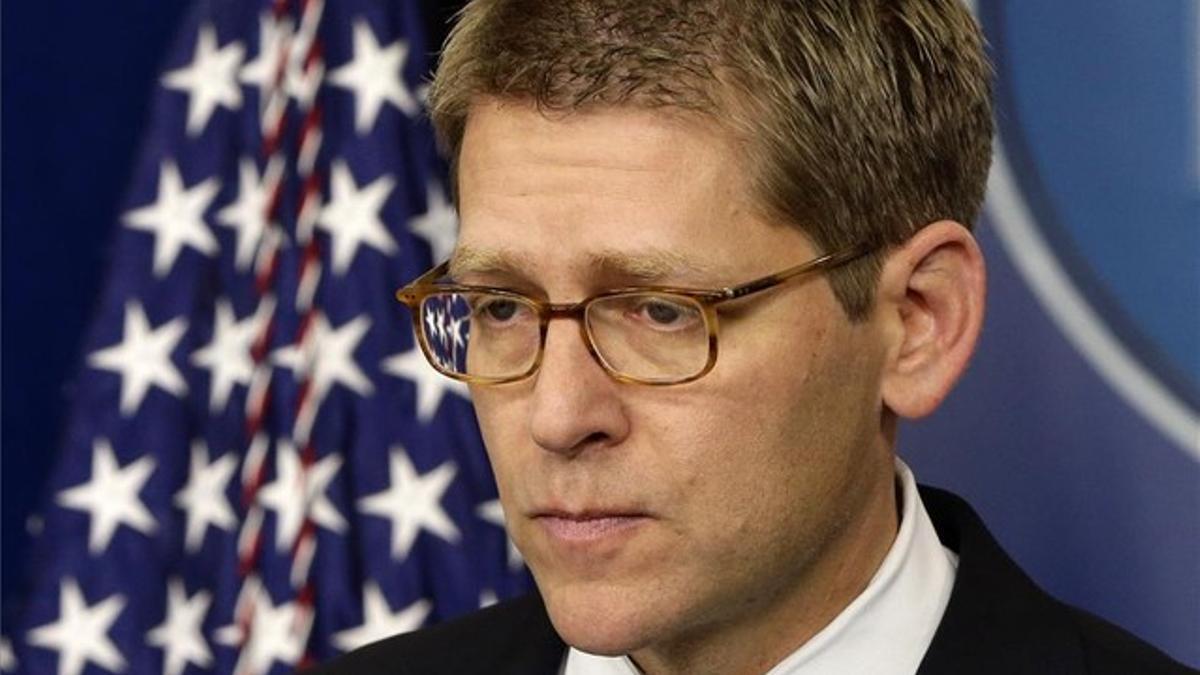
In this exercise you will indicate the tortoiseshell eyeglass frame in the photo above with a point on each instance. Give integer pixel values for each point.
(415, 293)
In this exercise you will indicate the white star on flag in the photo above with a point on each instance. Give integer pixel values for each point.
(412, 502)
(203, 499)
(80, 634)
(179, 635)
(351, 217)
(273, 35)
(110, 496)
(431, 385)
(456, 332)
(443, 330)
(375, 74)
(276, 634)
(143, 358)
(8, 662)
(433, 324)
(228, 355)
(493, 512)
(296, 493)
(209, 80)
(248, 215)
(176, 218)
(438, 225)
(328, 357)
(379, 621)
(487, 598)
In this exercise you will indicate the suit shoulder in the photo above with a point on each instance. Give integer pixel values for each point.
(514, 634)
(1110, 649)
(999, 620)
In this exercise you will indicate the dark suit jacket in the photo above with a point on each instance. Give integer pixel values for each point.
(997, 622)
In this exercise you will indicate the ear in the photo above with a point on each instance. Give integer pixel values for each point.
(931, 294)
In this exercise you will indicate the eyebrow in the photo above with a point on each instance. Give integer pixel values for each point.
(468, 260)
(649, 266)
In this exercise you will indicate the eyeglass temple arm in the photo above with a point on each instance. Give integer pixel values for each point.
(826, 262)
(409, 295)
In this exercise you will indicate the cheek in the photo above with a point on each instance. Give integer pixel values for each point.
(502, 423)
(720, 466)
(787, 424)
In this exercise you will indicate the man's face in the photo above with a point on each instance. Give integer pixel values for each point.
(652, 517)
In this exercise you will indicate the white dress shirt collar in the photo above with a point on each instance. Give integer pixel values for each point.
(883, 631)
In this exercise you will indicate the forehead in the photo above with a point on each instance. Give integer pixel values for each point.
(574, 192)
(513, 151)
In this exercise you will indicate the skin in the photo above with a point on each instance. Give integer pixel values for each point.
(758, 501)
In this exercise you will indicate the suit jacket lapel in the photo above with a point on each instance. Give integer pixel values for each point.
(998, 620)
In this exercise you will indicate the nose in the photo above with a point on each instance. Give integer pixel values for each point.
(576, 405)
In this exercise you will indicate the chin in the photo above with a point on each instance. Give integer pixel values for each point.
(599, 618)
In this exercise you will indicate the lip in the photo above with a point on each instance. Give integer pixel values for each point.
(589, 526)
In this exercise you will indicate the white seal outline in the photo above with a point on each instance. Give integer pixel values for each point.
(1066, 306)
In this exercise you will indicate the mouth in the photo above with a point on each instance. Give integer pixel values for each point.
(585, 527)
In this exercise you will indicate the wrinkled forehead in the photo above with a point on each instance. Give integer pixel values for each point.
(620, 193)
(642, 144)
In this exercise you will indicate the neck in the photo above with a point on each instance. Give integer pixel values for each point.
(772, 628)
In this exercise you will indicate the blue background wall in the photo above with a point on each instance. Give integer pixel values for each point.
(76, 77)
(1099, 114)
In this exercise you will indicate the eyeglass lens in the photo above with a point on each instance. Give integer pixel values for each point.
(651, 337)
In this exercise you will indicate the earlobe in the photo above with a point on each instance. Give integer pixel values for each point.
(932, 292)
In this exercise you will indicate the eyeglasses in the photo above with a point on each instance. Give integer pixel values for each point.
(646, 335)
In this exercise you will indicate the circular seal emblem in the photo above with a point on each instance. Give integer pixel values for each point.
(1095, 189)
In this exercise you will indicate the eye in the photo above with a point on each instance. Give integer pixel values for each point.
(661, 312)
(498, 309)
(666, 313)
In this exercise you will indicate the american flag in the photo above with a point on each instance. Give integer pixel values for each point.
(260, 469)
